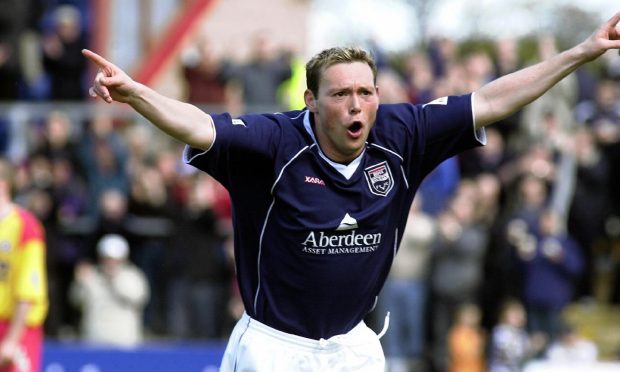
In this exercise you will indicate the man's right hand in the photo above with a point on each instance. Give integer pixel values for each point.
(182, 121)
(111, 83)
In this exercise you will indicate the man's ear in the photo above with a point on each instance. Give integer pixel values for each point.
(310, 100)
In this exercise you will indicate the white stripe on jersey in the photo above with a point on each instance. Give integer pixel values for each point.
(260, 242)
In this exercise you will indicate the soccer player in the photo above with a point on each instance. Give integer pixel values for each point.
(23, 282)
(320, 196)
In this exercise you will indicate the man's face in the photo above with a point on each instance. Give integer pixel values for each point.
(344, 110)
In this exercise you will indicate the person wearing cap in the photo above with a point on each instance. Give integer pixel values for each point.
(111, 295)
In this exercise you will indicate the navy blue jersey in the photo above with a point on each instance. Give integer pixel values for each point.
(314, 240)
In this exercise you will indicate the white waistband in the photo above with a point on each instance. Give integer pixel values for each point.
(356, 336)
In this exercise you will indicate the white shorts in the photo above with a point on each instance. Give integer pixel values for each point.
(254, 346)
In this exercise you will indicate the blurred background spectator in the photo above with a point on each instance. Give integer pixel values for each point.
(551, 263)
(110, 295)
(199, 269)
(203, 73)
(511, 346)
(405, 294)
(62, 54)
(12, 25)
(467, 341)
(258, 79)
(571, 349)
(456, 266)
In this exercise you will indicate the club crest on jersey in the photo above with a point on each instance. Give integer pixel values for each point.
(379, 179)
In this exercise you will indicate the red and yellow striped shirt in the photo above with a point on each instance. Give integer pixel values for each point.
(22, 266)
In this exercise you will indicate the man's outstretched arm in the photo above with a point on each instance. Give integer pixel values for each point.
(508, 94)
(180, 120)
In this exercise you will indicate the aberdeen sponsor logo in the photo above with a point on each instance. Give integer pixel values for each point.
(379, 179)
(352, 242)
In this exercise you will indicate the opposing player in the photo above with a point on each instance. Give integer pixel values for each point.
(23, 282)
(321, 195)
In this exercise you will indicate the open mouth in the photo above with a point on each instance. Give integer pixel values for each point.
(355, 128)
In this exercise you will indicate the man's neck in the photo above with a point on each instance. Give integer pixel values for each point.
(317, 136)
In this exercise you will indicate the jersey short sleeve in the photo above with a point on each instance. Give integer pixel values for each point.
(449, 126)
(425, 135)
(238, 143)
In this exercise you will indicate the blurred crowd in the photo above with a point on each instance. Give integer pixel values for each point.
(40, 44)
(499, 242)
(526, 225)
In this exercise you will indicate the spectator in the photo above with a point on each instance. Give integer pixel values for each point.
(442, 54)
(290, 92)
(203, 74)
(511, 346)
(466, 341)
(591, 205)
(549, 119)
(111, 295)
(420, 78)
(260, 77)
(526, 201)
(506, 58)
(488, 198)
(67, 226)
(103, 159)
(550, 261)
(198, 268)
(603, 112)
(457, 265)
(150, 222)
(37, 176)
(572, 349)
(497, 279)
(112, 219)
(405, 294)
(604, 119)
(12, 24)
(478, 70)
(62, 57)
(530, 199)
(58, 137)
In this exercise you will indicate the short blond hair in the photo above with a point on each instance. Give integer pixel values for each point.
(328, 57)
